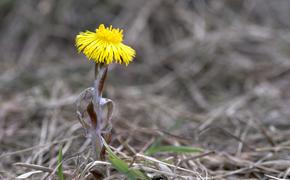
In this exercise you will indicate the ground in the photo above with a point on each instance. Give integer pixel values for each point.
(209, 76)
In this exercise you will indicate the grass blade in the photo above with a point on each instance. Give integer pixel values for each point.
(156, 146)
(159, 139)
(59, 164)
(173, 149)
(123, 167)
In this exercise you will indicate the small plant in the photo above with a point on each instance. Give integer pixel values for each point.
(104, 47)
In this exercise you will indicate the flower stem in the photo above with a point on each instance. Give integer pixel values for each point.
(95, 109)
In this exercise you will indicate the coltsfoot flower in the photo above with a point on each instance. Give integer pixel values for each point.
(105, 46)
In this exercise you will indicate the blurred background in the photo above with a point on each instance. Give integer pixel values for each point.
(208, 74)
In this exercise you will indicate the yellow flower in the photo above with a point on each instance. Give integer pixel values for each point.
(105, 46)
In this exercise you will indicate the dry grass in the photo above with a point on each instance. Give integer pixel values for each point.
(208, 74)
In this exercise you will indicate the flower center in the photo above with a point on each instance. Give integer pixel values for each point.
(109, 35)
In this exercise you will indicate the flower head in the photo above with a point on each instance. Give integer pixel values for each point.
(105, 46)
